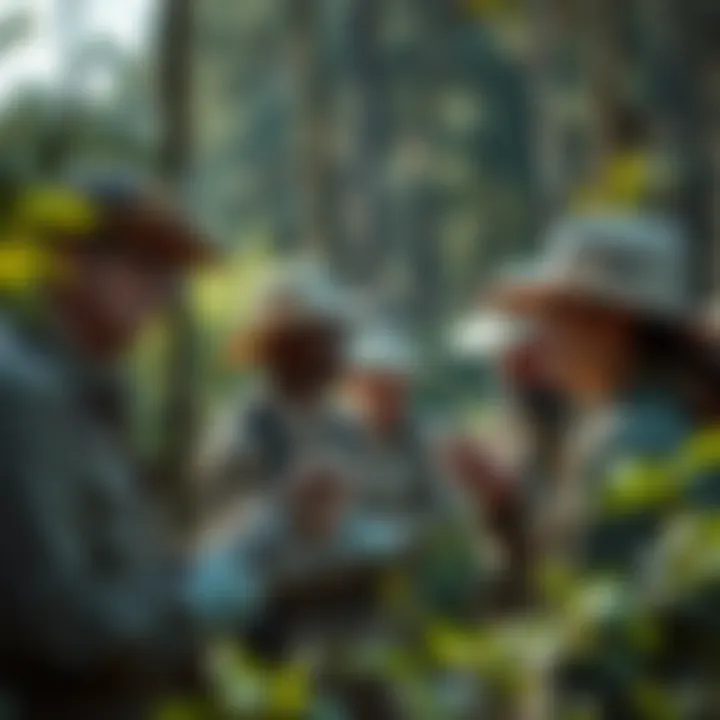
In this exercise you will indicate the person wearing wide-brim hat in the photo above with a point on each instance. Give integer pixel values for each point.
(116, 212)
(95, 612)
(296, 342)
(48, 229)
(609, 297)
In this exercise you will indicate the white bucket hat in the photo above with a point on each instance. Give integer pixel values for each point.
(304, 290)
(633, 262)
(300, 293)
(384, 349)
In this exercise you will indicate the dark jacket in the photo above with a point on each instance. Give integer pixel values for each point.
(91, 598)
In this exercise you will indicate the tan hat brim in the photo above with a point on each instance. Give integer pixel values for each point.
(164, 238)
(532, 298)
(245, 349)
(156, 237)
(250, 345)
(535, 298)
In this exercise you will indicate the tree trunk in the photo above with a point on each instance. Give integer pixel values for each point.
(551, 164)
(677, 49)
(179, 413)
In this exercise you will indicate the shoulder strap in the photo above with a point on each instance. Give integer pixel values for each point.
(426, 489)
(269, 436)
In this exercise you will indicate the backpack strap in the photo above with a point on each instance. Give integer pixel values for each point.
(269, 437)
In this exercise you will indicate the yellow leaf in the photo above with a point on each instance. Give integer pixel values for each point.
(624, 180)
(22, 264)
(223, 297)
(54, 209)
(290, 693)
(182, 710)
(637, 483)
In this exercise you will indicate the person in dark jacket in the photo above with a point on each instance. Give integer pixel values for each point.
(92, 615)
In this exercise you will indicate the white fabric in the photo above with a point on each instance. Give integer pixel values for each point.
(486, 335)
(385, 349)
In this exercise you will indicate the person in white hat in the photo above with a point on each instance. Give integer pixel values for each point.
(609, 297)
(286, 504)
(278, 475)
(402, 479)
(398, 476)
(296, 340)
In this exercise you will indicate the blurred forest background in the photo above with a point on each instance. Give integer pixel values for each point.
(416, 144)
